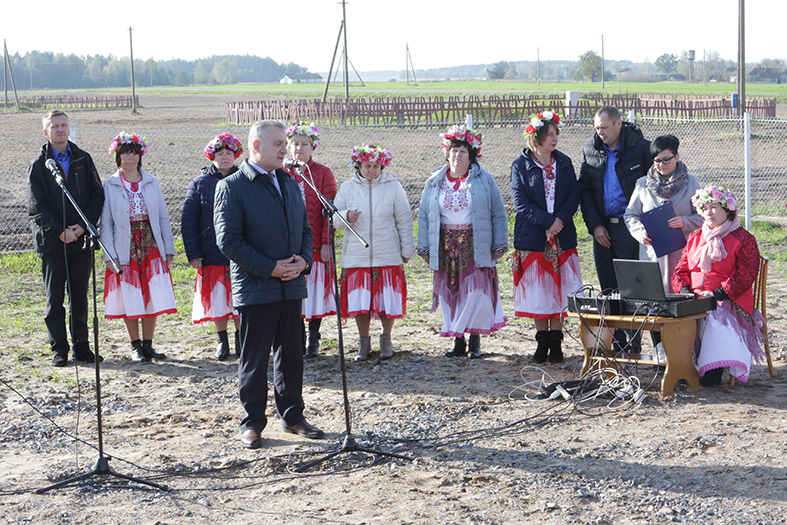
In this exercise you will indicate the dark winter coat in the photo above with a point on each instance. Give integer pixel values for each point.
(255, 228)
(199, 236)
(634, 161)
(529, 196)
(45, 200)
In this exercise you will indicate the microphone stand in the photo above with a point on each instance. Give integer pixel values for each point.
(350, 444)
(101, 466)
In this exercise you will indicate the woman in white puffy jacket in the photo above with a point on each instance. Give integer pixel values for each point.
(373, 281)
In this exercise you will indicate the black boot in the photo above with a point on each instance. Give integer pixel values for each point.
(237, 343)
(712, 377)
(138, 354)
(223, 348)
(147, 346)
(313, 349)
(542, 338)
(555, 350)
(459, 348)
(474, 347)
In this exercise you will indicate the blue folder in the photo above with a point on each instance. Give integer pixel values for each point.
(664, 239)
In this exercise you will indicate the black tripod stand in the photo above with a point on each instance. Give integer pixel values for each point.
(349, 444)
(101, 466)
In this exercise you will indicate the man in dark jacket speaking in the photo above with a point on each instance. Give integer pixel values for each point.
(612, 162)
(261, 226)
(59, 234)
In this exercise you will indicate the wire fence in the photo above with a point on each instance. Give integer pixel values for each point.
(713, 150)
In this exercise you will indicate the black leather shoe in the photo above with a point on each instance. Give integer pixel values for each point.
(86, 355)
(459, 348)
(252, 438)
(474, 348)
(303, 428)
(60, 359)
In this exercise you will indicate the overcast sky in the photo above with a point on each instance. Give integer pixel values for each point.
(439, 33)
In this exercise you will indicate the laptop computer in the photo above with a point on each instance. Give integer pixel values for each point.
(641, 281)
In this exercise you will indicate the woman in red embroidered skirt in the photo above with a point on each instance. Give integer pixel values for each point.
(212, 287)
(135, 227)
(302, 140)
(373, 283)
(546, 267)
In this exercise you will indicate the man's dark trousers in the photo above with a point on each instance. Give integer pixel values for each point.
(624, 246)
(72, 271)
(264, 327)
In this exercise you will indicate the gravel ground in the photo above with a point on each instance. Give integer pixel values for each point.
(479, 453)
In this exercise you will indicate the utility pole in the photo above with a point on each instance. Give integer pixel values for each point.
(602, 62)
(346, 59)
(133, 89)
(741, 60)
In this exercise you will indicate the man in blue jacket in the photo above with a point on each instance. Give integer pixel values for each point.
(59, 234)
(612, 162)
(261, 226)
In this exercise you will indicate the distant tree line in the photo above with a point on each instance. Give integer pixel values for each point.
(47, 70)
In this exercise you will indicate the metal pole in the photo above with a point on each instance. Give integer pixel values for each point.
(133, 89)
(747, 156)
(469, 121)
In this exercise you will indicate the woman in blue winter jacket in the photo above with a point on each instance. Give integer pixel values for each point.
(462, 232)
(545, 192)
(212, 290)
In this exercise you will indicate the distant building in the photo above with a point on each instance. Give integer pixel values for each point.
(767, 75)
(677, 77)
(301, 78)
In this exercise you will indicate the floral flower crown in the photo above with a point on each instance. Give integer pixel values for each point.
(462, 134)
(537, 121)
(129, 138)
(368, 153)
(225, 140)
(710, 194)
(301, 128)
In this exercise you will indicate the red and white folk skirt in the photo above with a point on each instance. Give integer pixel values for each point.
(212, 295)
(543, 280)
(145, 287)
(320, 301)
(376, 291)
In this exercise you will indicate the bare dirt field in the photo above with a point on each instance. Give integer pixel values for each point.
(479, 452)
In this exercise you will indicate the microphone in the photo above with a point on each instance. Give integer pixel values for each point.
(55, 169)
(293, 163)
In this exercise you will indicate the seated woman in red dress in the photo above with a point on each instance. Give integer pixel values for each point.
(722, 260)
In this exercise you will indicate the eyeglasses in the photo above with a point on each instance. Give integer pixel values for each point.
(664, 160)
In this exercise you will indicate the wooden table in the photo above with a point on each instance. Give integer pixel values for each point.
(677, 337)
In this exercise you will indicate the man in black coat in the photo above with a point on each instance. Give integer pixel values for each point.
(261, 226)
(612, 162)
(59, 234)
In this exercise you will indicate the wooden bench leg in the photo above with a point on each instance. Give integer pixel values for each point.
(678, 341)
